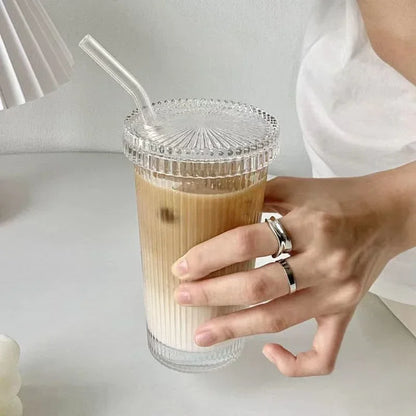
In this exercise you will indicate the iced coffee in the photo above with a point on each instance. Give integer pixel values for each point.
(172, 219)
(201, 174)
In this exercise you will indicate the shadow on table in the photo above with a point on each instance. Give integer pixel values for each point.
(14, 198)
(252, 369)
(367, 343)
(64, 400)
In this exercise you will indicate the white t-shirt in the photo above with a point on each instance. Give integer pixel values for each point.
(358, 115)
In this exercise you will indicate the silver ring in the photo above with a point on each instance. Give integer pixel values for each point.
(289, 274)
(283, 240)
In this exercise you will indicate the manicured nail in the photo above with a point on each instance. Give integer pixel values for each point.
(205, 338)
(183, 297)
(180, 268)
(268, 355)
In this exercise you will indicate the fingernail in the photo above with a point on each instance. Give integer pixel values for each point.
(268, 355)
(180, 268)
(205, 338)
(183, 297)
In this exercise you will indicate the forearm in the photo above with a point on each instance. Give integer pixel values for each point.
(406, 185)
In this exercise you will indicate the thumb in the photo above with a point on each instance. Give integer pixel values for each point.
(283, 194)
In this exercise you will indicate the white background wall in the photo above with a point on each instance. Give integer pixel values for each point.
(246, 50)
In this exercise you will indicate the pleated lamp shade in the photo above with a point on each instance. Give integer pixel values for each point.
(34, 59)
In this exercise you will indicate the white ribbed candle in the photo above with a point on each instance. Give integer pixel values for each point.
(10, 381)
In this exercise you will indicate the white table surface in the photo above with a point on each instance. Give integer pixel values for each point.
(70, 294)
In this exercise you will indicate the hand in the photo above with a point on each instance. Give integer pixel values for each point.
(343, 232)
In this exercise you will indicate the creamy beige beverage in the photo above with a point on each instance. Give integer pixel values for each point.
(201, 169)
(174, 215)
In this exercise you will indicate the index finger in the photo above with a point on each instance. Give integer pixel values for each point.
(234, 246)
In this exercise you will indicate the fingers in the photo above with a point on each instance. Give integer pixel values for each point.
(274, 316)
(238, 245)
(234, 246)
(320, 360)
(247, 288)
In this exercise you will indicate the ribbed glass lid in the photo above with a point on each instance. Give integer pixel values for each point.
(202, 131)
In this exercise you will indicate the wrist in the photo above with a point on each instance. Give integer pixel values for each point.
(393, 196)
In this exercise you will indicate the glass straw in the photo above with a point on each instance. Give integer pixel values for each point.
(121, 75)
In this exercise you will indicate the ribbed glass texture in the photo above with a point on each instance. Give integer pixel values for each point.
(207, 196)
(202, 138)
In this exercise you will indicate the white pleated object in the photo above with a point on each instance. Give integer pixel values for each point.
(34, 59)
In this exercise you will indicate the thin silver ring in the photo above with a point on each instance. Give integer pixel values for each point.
(289, 274)
(283, 240)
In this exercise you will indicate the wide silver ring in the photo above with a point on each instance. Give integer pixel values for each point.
(289, 274)
(283, 240)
